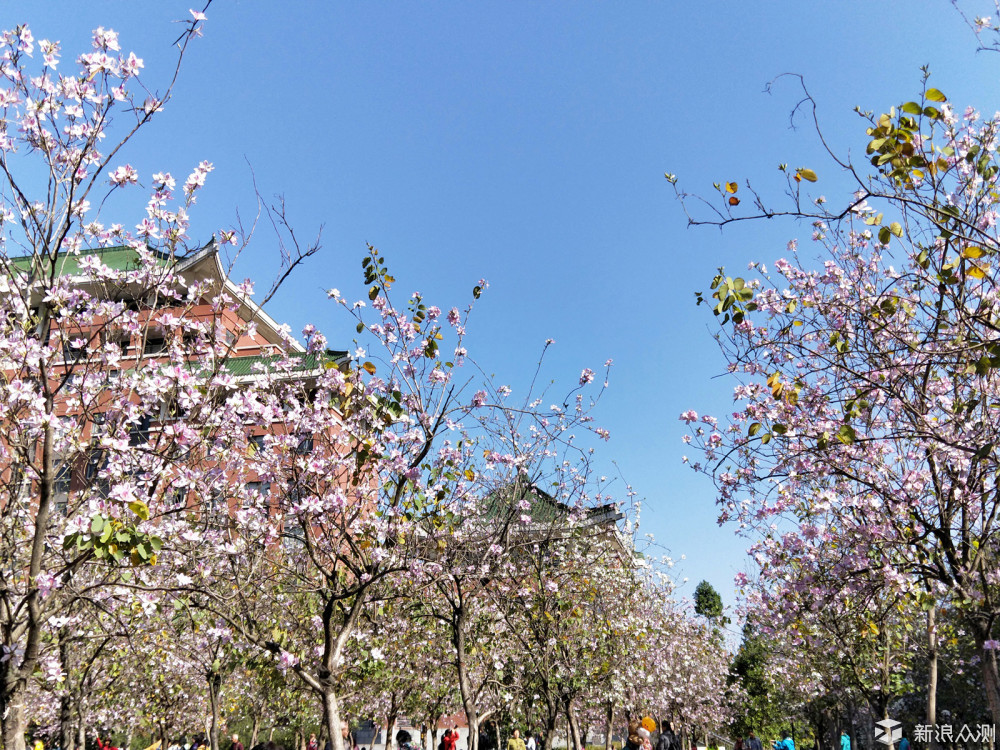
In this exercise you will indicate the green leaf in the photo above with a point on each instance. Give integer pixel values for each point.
(754, 429)
(935, 95)
(884, 235)
(96, 525)
(807, 174)
(911, 108)
(846, 434)
(896, 228)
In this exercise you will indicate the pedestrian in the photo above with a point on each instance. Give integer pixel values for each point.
(313, 742)
(845, 740)
(785, 744)
(531, 744)
(904, 744)
(753, 742)
(403, 740)
(237, 745)
(345, 732)
(450, 739)
(667, 739)
(515, 742)
(633, 740)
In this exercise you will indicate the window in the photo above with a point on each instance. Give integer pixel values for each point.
(256, 444)
(60, 487)
(96, 460)
(292, 533)
(155, 344)
(256, 493)
(98, 425)
(120, 339)
(216, 503)
(139, 433)
(72, 353)
(305, 445)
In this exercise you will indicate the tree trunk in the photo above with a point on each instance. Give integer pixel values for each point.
(67, 738)
(609, 726)
(390, 724)
(431, 740)
(254, 730)
(572, 727)
(214, 691)
(932, 669)
(991, 678)
(331, 710)
(12, 721)
(465, 683)
(81, 729)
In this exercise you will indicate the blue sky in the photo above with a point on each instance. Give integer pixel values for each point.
(526, 143)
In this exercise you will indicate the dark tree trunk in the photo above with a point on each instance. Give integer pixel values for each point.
(981, 631)
(465, 682)
(254, 730)
(214, 693)
(609, 726)
(572, 726)
(67, 733)
(12, 720)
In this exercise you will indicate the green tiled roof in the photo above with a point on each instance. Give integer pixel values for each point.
(118, 258)
(301, 362)
(544, 508)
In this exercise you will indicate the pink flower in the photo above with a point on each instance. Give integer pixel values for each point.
(587, 376)
(124, 175)
(197, 15)
(689, 416)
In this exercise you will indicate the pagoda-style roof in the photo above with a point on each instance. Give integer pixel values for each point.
(201, 265)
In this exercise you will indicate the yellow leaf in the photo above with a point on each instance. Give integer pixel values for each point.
(734, 201)
(973, 252)
(976, 272)
(470, 474)
(806, 174)
(369, 368)
(732, 187)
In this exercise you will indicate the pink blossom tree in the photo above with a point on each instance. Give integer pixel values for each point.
(862, 454)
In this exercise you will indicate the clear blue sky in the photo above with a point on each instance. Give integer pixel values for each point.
(526, 143)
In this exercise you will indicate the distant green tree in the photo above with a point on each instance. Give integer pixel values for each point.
(707, 601)
(761, 709)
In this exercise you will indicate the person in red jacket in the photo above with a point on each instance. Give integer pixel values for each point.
(450, 739)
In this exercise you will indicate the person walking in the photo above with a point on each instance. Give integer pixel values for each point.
(237, 745)
(752, 742)
(515, 742)
(667, 739)
(845, 740)
(785, 744)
